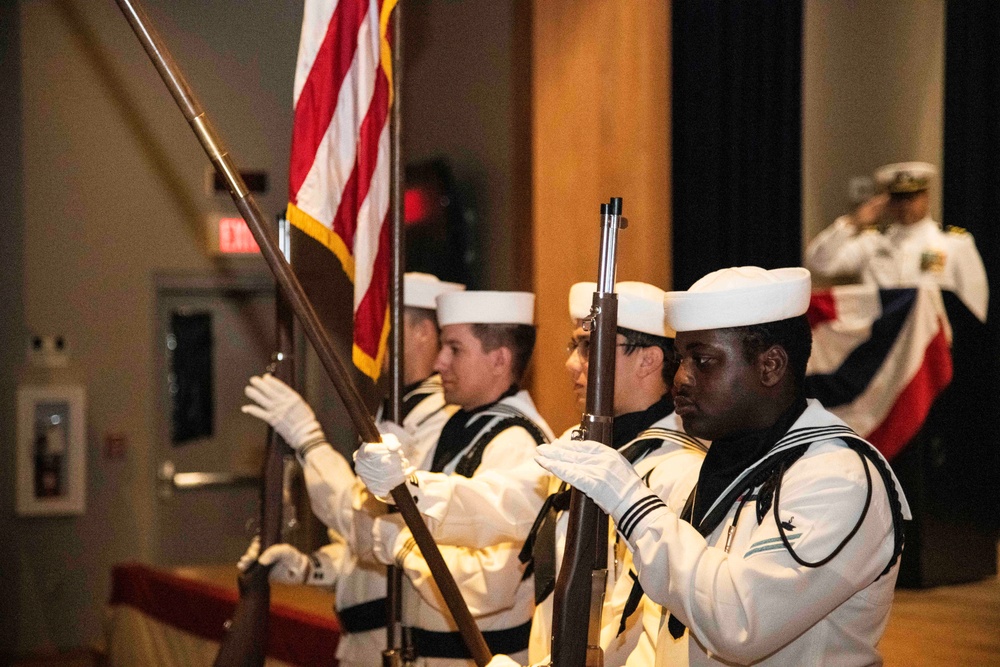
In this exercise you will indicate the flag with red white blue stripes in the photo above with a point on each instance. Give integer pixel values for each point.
(880, 358)
(339, 172)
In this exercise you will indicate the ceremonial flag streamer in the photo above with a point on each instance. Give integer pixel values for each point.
(880, 358)
(339, 173)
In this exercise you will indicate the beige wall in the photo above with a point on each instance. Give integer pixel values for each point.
(114, 193)
(601, 129)
(872, 94)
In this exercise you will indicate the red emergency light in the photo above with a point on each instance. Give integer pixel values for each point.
(419, 205)
(235, 237)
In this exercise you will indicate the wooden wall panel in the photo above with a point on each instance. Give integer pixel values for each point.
(601, 128)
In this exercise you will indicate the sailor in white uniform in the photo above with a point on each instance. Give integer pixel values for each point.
(786, 552)
(337, 497)
(647, 433)
(487, 339)
(891, 241)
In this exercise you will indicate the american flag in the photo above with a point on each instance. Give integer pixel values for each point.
(339, 173)
(880, 358)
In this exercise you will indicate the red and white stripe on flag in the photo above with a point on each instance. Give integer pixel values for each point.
(339, 173)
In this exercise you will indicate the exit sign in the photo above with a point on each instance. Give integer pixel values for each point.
(234, 237)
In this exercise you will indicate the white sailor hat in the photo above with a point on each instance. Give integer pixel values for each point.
(905, 177)
(420, 290)
(739, 297)
(486, 308)
(640, 306)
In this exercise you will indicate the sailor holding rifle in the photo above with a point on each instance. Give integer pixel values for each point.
(787, 550)
(484, 509)
(487, 339)
(337, 497)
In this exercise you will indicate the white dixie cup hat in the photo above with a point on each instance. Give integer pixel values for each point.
(739, 296)
(420, 290)
(485, 307)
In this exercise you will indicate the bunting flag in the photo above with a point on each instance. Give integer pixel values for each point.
(339, 173)
(880, 358)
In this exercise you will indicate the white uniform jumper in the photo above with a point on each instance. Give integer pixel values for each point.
(742, 593)
(904, 256)
(503, 505)
(664, 456)
(341, 501)
(480, 442)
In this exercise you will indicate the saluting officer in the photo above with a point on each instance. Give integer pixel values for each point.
(891, 241)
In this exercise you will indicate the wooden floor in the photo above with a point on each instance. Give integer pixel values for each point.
(950, 625)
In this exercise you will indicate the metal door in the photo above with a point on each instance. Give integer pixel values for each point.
(211, 335)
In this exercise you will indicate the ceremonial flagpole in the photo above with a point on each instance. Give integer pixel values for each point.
(393, 654)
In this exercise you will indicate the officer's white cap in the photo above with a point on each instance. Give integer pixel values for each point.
(420, 290)
(739, 297)
(640, 306)
(486, 308)
(903, 177)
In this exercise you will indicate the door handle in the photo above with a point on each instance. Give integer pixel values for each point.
(169, 480)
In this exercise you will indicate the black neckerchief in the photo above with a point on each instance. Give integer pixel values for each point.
(539, 549)
(413, 385)
(626, 427)
(412, 399)
(731, 455)
(407, 405)
(457, 432)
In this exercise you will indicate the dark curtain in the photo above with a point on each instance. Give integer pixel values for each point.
(971, 170)
(737, 70)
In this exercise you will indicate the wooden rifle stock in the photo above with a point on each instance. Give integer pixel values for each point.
(304, 312)
(583, 572)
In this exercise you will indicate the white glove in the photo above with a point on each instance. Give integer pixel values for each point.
(290, 565)
(597, 470)
(382, 466)
(281, 406)
(501, 660)
(250, 557)
(385, 535)
(406, 439)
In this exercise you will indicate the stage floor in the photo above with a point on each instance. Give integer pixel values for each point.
(949, 625)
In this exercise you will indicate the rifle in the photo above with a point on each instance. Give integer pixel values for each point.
(584, 571)
(292, 290)
(244, 644)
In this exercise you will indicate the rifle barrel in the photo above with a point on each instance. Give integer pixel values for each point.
(576, 636)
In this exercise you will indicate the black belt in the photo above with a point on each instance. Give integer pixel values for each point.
(363, 617)
(430, 644)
